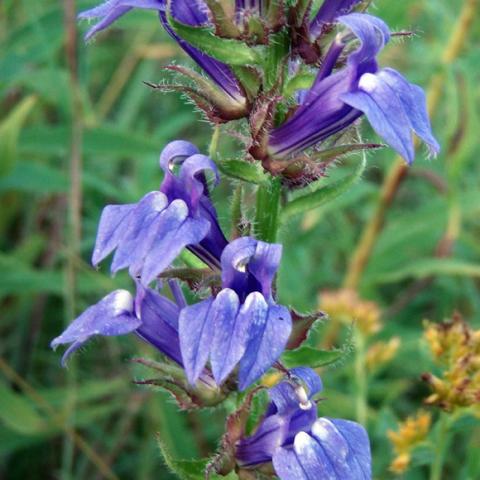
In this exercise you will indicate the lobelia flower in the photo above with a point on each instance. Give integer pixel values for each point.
(188, 12)
(242, 324)
(147, 236)
(151, 316)
(393, 106)
(300, 445)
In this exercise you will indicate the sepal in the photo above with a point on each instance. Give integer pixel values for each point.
(172, 379)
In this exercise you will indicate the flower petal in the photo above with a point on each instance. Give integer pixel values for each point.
(262, 445)
(196, 329)
(111, 10)
(189, 176)
(139, 234)
(372, 32)
(385, 113)
(230, 337)
(111, 229)
(359, 447)
(315, 460)
(264, 265)
(159, 324)
(283, 394)
(414, 104)
(113, 315)
(171, 233)
(176, 152)
(288, 467)
(269, 331)
(328, 12)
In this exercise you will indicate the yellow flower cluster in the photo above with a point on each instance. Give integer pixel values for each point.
(346, 306)
(381, 352)
(410, 433)
(456, 347)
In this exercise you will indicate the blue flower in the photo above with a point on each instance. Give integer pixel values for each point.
(302, 446)
(147, 236)
(151, 316)
(242, 324)
(188, 12)
(394, 107)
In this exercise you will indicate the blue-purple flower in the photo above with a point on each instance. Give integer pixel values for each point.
(394, 107)
(151, 316)
(188, 12)
(300, 445)
(242, 324)
(147, 236)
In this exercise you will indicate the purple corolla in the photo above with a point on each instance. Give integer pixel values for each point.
(151, 316)
(147, 236)
(394, 107)
(188, 12)
(300, 445)
(242, 324)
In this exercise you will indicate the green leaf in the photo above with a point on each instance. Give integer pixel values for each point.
(274, 64)
(301, 81)
(242, 170)
(319, 195)
(429, 267)
(188, 469)
(229, 51)
(9, 132)
(311, 357)
(18, 413)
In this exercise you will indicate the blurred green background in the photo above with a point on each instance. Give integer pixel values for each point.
(71, 144)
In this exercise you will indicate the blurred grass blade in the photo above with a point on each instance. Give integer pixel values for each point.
(9, 132)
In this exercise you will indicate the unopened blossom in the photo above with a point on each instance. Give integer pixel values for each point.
(147, 236)
(346, 306)
(242, 324)
(380, 353)
(394, 107)
(455, 346)
(300, 445)
(149, 315)
(409, 435)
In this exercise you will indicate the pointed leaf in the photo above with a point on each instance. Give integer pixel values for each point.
(323, 194)
(242, 170)
(311, 357)
(229, 51)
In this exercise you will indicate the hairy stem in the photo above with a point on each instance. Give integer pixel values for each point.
(398, 171)
(360, 378)
(440, 447)
(267, 211)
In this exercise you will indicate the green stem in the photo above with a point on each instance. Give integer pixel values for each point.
(440, 447)
(213, 148)
(267, 211)
(360, 378)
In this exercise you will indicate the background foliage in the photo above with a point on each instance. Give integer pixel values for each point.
(89, 421)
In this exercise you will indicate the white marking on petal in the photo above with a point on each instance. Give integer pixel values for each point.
(304, 402)
(320, 429)
(368, 82)
(123, 301)
(302, 442)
